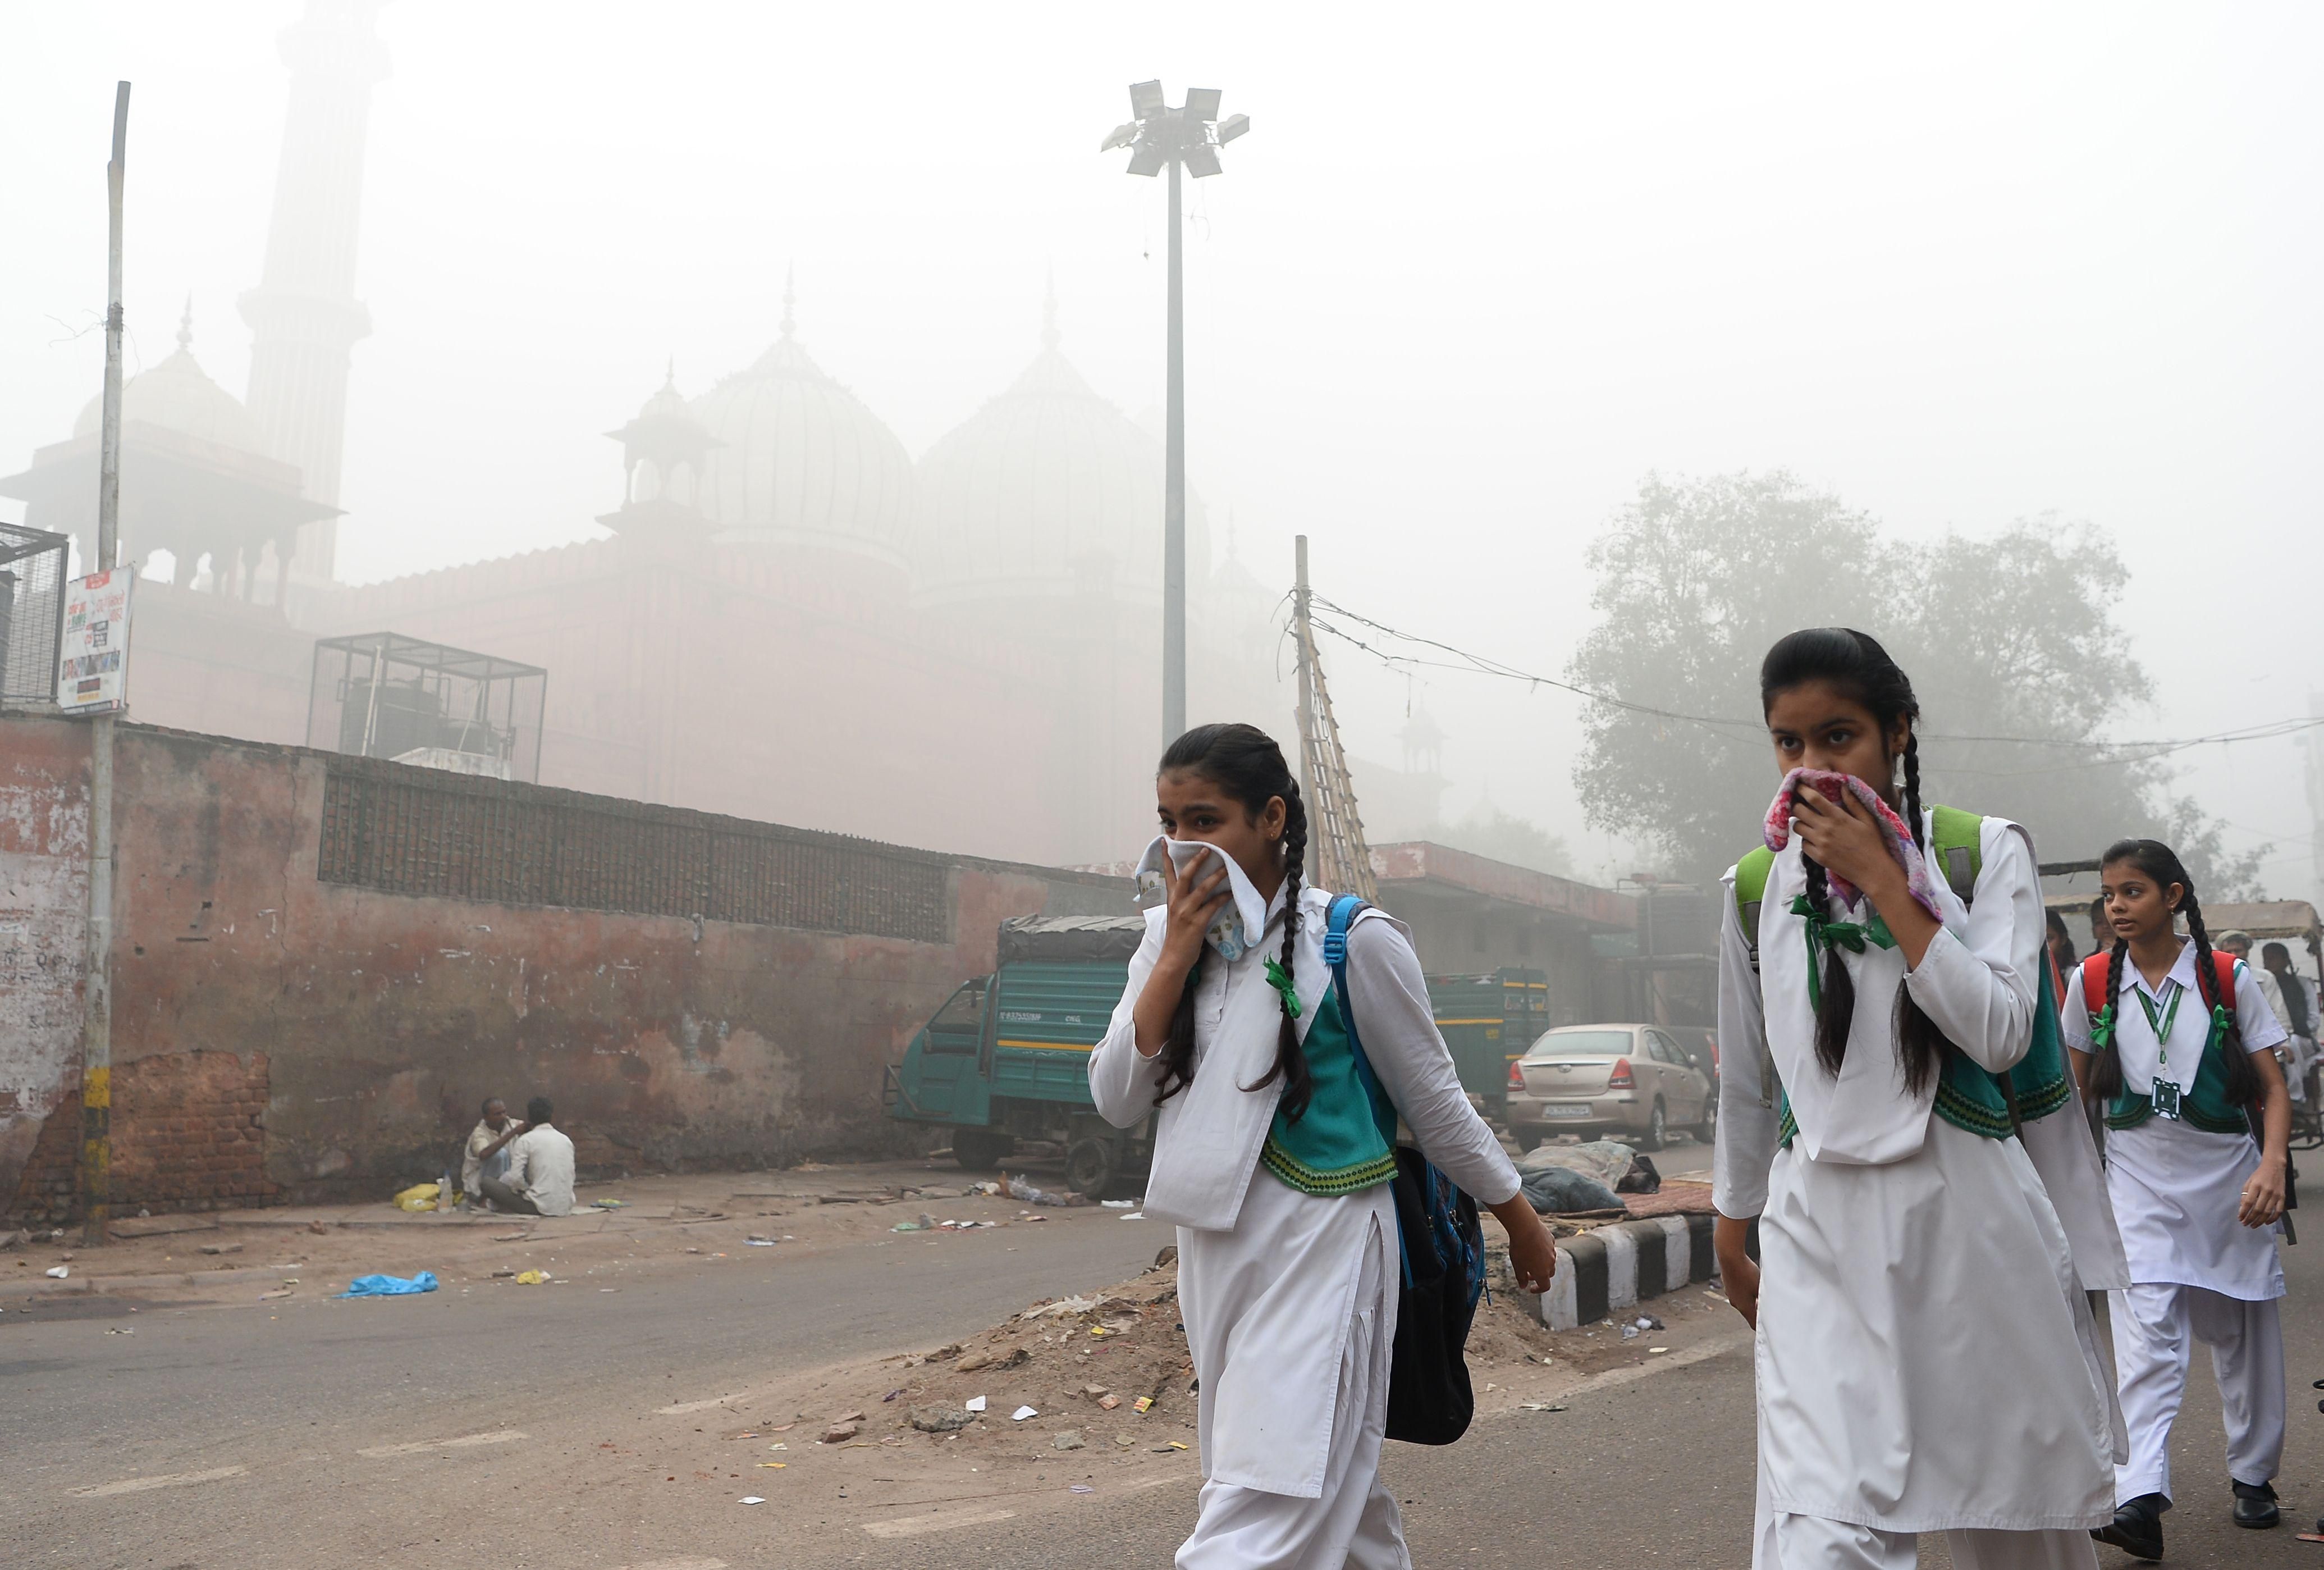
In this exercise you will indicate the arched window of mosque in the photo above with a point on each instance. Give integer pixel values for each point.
(645, 481)
(681, 485)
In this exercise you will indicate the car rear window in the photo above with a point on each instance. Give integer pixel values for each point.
(1583, 1044)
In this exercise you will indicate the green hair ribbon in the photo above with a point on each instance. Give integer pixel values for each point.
(1823, 933)
(1280, 980)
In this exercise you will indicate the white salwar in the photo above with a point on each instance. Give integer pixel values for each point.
(1289, 1298)
(1925, 1354)
(2197, 1273)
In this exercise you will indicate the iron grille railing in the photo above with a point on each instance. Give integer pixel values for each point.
(32, 567)
(409, 831)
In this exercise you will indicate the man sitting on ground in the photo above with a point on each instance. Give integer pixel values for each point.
(540, 1181)
(487, 1152)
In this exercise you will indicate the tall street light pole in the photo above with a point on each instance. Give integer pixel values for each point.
(93, 1171)
(1188, 136)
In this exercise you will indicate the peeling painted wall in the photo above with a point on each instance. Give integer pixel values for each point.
(366, 1026)
(44, 927)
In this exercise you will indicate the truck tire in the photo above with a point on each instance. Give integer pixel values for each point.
(1093, 1165)
(980, 1150)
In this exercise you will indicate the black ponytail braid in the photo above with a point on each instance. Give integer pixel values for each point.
(1290, 1056)
(1245, 762)
(1855, 663)
(1838, 1007)
(2162, 864)
(2243, 1080)
(2106, 1068)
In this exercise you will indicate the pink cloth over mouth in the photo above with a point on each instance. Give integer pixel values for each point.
(1829, 783)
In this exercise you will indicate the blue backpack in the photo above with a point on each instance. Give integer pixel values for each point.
(1430, 1400)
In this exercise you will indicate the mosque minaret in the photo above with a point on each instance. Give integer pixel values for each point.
(304, 316)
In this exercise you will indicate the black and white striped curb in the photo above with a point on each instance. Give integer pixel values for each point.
(1613, 1268)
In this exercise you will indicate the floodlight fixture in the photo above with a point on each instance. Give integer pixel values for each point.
(1187, 137)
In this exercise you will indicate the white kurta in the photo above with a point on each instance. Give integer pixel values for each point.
(1270, 1276)
(1920, 1365)
(2176, 1188)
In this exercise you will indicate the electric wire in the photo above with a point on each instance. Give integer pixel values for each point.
(2109, 753)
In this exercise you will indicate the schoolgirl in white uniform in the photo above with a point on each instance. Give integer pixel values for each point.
(1923, 1359)
(1274, 1163)
(2198, 1199)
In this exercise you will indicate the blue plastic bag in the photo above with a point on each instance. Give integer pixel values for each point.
(389, 1286)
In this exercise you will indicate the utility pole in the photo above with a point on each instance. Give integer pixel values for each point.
(1189, 135)
(95, 1167)
(1338, 858)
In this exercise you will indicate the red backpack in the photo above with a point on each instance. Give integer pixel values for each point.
(2094, 983)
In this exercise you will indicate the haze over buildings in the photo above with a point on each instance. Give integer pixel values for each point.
(2016, 264)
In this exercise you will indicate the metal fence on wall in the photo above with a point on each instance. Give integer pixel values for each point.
(405, 832)
(32, 567)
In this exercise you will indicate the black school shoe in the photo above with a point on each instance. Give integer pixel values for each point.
(2137, 1527)
(2255, 1505)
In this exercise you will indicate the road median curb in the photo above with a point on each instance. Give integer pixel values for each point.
(1612, 1267)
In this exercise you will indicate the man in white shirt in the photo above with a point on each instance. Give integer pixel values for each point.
(540, 1181)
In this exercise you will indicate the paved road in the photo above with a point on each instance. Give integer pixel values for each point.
(267, 1410)
(291, 1392)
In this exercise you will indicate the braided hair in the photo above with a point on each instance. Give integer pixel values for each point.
(2160, 862)
(1245, 762)
(1855, 663)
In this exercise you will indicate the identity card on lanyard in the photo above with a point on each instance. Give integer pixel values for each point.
(2166, 1092)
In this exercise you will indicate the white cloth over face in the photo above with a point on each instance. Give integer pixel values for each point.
(1208, 1136)
(2155, 1328)
(1920, 1363)
(1245, 914)
(2176, 1188)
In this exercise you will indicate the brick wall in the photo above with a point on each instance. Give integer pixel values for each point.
(283, 1035)
(189, 1132)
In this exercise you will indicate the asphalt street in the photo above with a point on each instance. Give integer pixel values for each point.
(483, 1427)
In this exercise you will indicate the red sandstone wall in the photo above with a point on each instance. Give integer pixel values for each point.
(275, 1036)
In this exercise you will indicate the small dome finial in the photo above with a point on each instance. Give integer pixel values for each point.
(790, 297)
(185, 328)
(1049, 312)
(669, 375)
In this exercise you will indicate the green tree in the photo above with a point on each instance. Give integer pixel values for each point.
(2011, 642)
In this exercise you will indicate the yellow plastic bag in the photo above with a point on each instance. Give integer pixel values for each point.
(419, 1196)
(532, 1278)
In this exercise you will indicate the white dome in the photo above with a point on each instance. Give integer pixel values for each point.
(802, 459)
(1045, 491)
(178, 395)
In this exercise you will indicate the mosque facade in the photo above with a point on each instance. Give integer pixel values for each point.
(786, 618)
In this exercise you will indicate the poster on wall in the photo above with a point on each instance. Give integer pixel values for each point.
(92, 669)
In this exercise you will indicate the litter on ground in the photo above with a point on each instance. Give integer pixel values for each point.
(389, 1286)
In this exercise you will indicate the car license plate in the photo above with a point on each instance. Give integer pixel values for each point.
(1564, 1109)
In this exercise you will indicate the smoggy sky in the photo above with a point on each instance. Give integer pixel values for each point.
(1471, 275)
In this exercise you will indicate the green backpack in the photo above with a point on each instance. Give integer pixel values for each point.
(1995, 1105)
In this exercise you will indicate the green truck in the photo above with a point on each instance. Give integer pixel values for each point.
(1007, 1058)
(1489, 1022)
